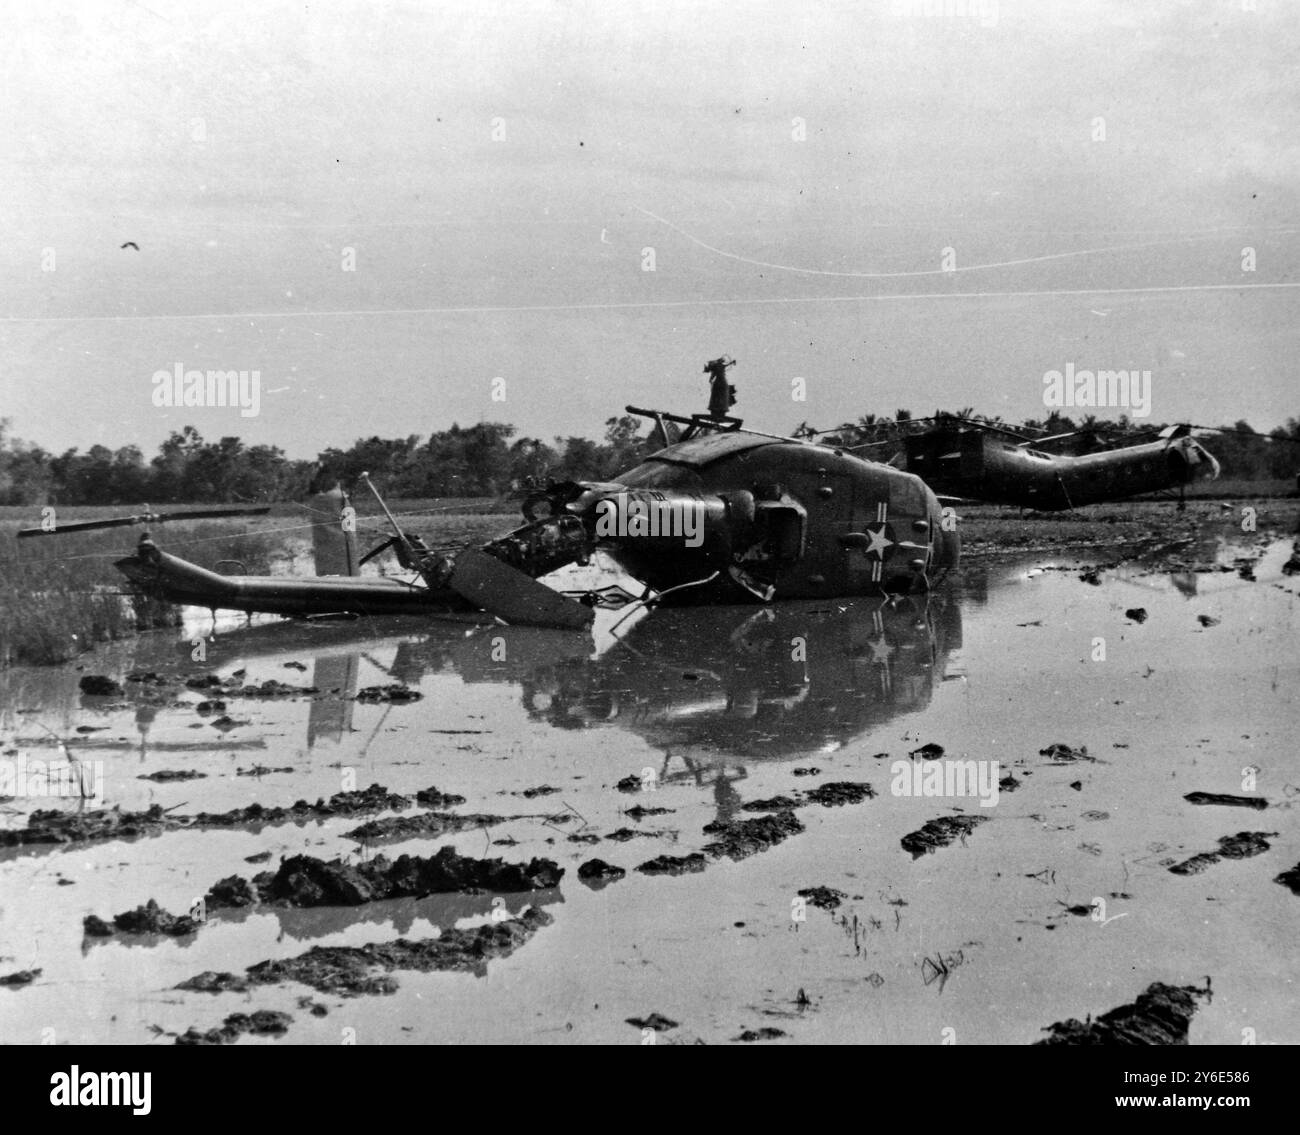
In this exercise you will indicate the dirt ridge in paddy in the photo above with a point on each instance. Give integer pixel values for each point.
(352, 971)
(52, 826)
(1161, 1014)
(305, 881)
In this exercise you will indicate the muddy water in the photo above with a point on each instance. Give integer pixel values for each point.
(721, 706)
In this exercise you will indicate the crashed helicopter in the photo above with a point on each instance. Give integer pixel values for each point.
(720, 515)
(968, 460)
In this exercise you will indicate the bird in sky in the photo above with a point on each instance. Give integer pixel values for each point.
(131, 244)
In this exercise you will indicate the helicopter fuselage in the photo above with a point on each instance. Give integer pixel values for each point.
(779, 519)
(977, 465)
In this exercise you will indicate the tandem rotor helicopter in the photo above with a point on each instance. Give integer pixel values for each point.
(721, 514)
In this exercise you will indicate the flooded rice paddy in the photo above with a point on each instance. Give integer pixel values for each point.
(727, 750)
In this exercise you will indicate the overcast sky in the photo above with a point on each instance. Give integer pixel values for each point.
(499, 168)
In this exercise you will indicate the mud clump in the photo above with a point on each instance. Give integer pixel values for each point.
(830, 795)
(927, 752)
(629, 784)
(824, 898)
(1290, 879)
(232, 687)
(212, 982)
(204, 682)
(263, 1022)
(656, 1021)
(49, 825)
(1243, 845)
(395, 693)
(1137, 614)
(640, 812)
(809, 771)
(1195, 865)
(376, 798)
(740, 839)
(674, 864)
(839, 792)
(100, 686)
(147, 919)
(270, 689)
(540, 790)
(1060, 754)
(233, 891)
(164, 776)
(771, 804)
(1008, 783)
(448, 871)
(1226, 800)
(351, 971)
(599, 869)
(1160, 1015)
(935, 834)
(421, 824)
(622, 835)
(431, 798)
(261, 770)
(21, 978)
(767, 1032)
(305, 881)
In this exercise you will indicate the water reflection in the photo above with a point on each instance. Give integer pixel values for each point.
(776, 682)
(753, 683)
(302, 924)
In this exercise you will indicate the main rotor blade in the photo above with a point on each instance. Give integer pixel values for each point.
(203, 513)
(511, 595)
(79, 526)
(143, 518)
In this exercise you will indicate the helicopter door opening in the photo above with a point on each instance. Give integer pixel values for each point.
(781, 528)
(785, 526)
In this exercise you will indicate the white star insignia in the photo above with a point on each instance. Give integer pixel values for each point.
(879, 542)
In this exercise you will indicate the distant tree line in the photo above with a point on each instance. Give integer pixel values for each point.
(481, 460)
(489, 460)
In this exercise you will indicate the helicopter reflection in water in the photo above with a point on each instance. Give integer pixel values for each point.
(767, 684)
(774, 683)
(711, 688)
(716, 688)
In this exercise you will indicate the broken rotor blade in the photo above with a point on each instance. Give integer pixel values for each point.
(509, 594)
